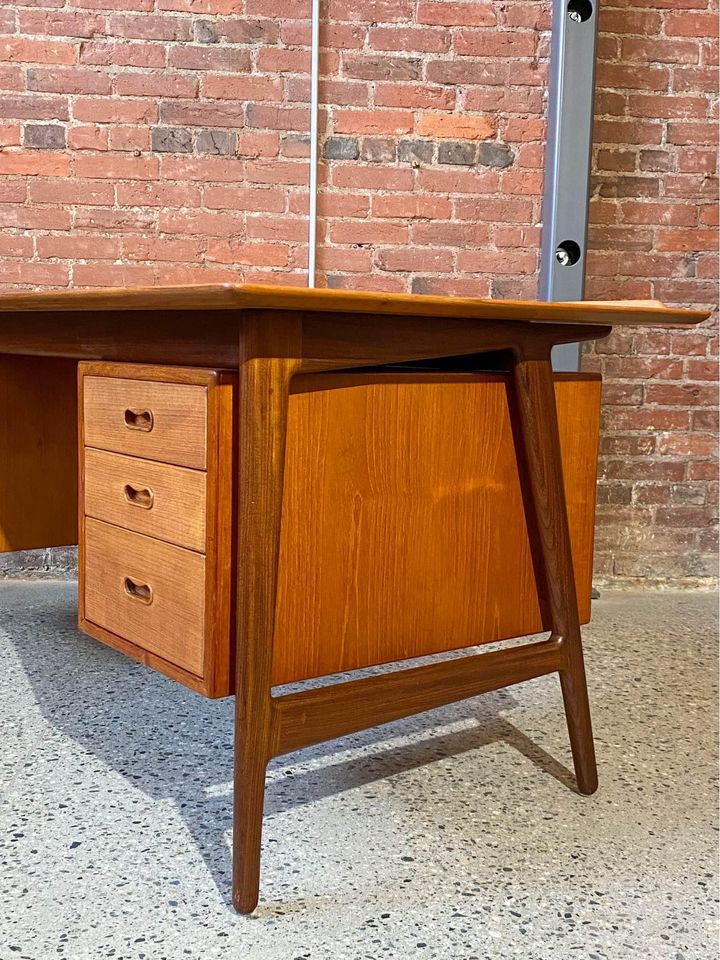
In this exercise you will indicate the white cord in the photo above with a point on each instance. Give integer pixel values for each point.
(314, 106)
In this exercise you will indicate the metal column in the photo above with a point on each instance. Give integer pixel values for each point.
(568, 159)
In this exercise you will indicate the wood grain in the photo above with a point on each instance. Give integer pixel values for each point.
(256, 297)
(403, 529)
(155, 499)
(266, 370)
(178, 432)
(172, 626)
(38, 453)
(215, 679)
(538, 445)
(311, 716)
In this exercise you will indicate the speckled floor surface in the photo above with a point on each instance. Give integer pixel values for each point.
(453, 835)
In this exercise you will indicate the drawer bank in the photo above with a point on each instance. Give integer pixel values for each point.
(403, 531)
(280, 484)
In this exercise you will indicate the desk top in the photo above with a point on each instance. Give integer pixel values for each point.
(248, 296)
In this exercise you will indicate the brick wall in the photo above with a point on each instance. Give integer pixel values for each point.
(164, 141)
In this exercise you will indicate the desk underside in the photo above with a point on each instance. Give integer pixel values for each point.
(403, 527)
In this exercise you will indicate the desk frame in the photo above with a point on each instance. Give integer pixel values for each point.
(271, 335)
(267, 726)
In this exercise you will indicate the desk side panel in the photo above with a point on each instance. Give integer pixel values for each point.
(38, 452)
(403, 528)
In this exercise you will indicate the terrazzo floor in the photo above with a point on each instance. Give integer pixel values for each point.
(453, 835)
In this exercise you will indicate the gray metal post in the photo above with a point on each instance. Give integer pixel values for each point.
(568, 159)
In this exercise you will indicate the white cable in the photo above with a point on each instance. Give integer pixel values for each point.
(314, 107)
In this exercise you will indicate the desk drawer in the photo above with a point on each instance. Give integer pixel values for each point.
(144, 418)
(145, 591)
(156, 531)
(156, 499)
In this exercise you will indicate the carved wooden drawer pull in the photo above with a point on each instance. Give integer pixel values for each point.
(139, 420)
(138, 591)
(139, 496)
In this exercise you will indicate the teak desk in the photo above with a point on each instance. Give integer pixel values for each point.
(268, 340)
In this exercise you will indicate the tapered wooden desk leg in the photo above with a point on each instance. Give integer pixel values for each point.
(538, 444)
(263, 386)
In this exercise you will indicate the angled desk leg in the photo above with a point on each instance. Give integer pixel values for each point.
(265, 370)
(537, 440)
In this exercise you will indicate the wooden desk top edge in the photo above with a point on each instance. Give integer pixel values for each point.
(248, 296)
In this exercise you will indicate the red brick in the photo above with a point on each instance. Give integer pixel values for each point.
(414, 97)
(450, 234)
(686, 240)
(409, 39)
(129, 138)
(661, 214)
(207, 169)
(211, 57)
(147, 27)
(659, 50)
(60, 23)
(155, 85)
(411, 207)
(374, 177)
(33, 107)
(29, 273)
(374, 234)
(451, 14)
(242, 88)
(24, 50)
(268, 200)
(490, 43)
(291, 229)
(113, 275)
(369, 11)
(116, 167)
(415, 260)
(258, 144)
(71, 191)
(255, 254)
(34, 218)
(155, 194)
(78, 247)
(703, 370)
(497, 262)
(10, 134)
(456, 126)
(68, 81)
(11, 78)
(275, 171)
(461, 71)
(88, 138)
(162, 248)
(459, 181)
(16, 246)
(200, 223)
(34, 163)
(382, 122)
(685, 24)
(100, 110)
(194, 114)
(122, 54)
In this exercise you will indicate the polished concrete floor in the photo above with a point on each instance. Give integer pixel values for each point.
(453, 835)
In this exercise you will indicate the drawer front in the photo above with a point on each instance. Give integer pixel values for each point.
(157, 499)
(145, 591)
(144, 418)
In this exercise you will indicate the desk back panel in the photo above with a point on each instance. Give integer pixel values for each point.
(38, 452)
(403, 531)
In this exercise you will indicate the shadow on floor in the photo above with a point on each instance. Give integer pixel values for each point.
(174, 744)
